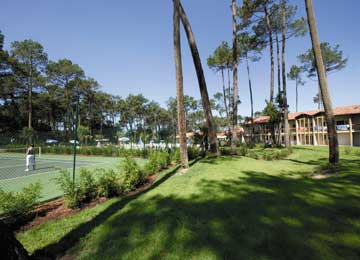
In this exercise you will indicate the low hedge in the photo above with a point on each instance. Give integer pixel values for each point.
(20, 204)
(109, 151)
(268, 154)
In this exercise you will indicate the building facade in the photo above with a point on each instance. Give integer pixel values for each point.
(309, 127)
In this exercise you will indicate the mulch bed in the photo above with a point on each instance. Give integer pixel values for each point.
(56, 209)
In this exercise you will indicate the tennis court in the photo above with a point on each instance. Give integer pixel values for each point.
(47, 167)
(15, 167)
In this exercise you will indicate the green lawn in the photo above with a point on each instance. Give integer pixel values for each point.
(229, 208)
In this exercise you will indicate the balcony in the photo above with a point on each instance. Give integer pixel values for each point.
(342, 128)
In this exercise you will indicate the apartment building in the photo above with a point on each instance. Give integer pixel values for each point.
(309, 127)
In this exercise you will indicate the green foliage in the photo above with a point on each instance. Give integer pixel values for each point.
(18, 204)
(108, 183)
(70, 189)
(193, 152)
(259, 152)
(332, 58)
(87, 185)
(176, 156)
(108, 151)
(222, 57)
(158, 160)
(242, 151)
(273, 112)
(133, 174)
(225, 151)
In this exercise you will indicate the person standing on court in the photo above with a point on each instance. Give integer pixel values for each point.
(30, 158)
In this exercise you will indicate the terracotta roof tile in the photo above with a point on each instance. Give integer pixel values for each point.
(345, 110)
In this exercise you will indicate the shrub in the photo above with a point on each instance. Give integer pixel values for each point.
(109, 151)
(69, 188)
(18, 204)
(87, 185)
(157, 160)
(268, 156)
(133, 175)
(242, 151)
(176, 156)
(193, 152)
(153, 164)
(108, 183)
(225, 151)
(250, 145)
(253, 155)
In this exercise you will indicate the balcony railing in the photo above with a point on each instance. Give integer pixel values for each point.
(342, 127)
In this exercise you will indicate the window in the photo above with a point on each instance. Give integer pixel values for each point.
(342, 125)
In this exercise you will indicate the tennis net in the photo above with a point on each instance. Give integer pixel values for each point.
(17, 153)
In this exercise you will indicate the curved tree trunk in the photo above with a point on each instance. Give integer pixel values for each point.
(268, 26)
(214, 148)
(179, 87)
(286, 119)
(330, 120)
(251, 99)
(235, 79)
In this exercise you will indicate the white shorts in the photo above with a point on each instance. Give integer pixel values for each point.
(30, 160)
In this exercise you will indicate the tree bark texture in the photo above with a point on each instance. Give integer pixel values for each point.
(179, 87)
(235, 79)
(330, 120)
(283, 67)
(278, 63)
(251, 99)
(214, 148)
(268, 26)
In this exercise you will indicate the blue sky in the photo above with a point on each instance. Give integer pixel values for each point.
(127, 45)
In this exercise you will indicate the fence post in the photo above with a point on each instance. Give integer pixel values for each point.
(75, 139)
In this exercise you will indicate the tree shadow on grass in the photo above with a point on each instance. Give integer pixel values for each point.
(251, 217)
(256, 216)
(219, 160)
(57, 249)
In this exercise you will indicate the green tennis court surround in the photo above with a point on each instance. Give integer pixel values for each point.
(47, 166)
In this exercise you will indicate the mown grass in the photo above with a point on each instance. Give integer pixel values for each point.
(226, 208)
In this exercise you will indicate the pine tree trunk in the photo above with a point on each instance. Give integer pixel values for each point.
(268, 26)
(179, 87)
(235, 80)
(297, 95)
(330, 120)
(30, 108)
(230, 96)
(278, 63)
(224, 93)
(226, 101)
(286, 119)
(251, 99)
(214, 147)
